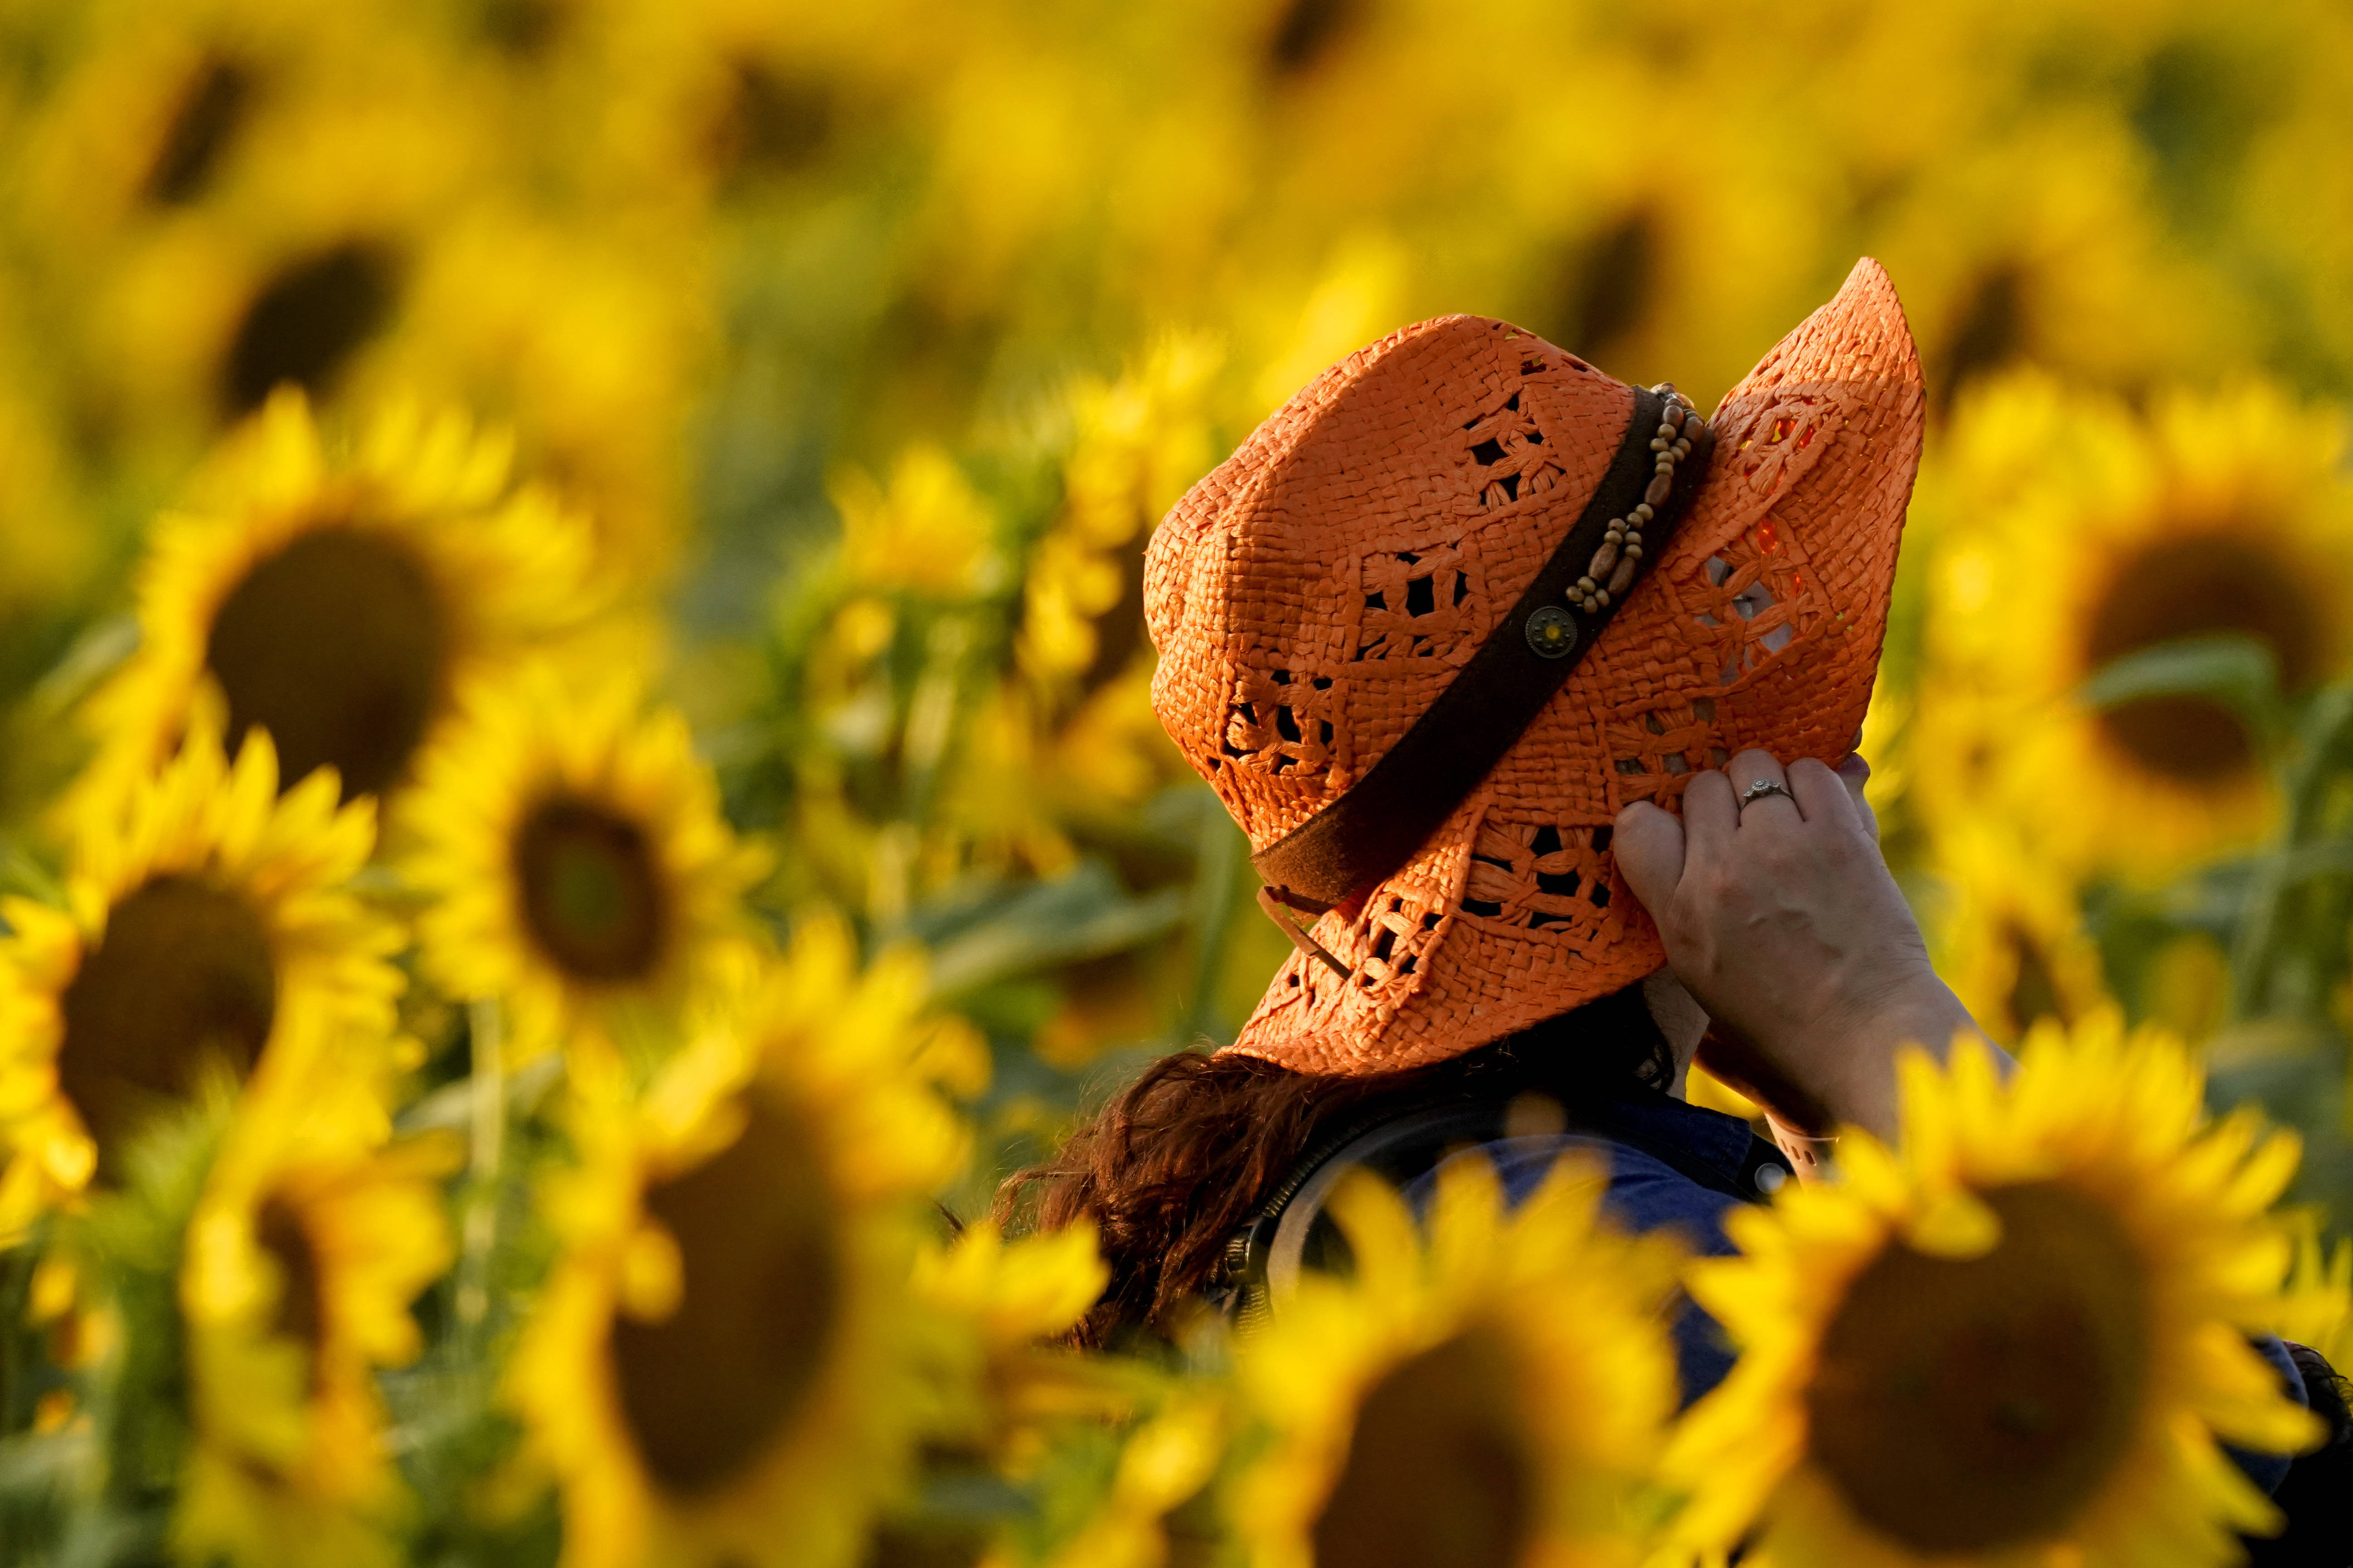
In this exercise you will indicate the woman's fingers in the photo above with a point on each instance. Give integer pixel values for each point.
(1822, 794)
(1711, 813)
(1748, 769)
(1649, 844)
(1854, 773)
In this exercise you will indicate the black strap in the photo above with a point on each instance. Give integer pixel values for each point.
(1375, 827)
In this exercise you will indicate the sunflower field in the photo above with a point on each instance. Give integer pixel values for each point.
(577, 784)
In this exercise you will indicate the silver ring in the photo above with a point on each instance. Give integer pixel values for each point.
(1764, 787)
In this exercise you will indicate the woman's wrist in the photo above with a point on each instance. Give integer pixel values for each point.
(1860, 1088)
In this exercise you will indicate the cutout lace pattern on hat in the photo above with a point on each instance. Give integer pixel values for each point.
(1755, 598)
(1281, 723)
(1654, 751)
(1385, 947)
(1540, 877)
(1509, 459)
(1419, 604)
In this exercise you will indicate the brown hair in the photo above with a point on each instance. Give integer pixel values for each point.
(1176, 1161)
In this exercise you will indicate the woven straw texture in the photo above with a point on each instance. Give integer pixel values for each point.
(1313, 595)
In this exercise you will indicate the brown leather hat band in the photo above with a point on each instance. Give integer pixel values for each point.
(1383, 818)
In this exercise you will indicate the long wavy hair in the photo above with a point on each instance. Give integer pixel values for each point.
(1177, 1160)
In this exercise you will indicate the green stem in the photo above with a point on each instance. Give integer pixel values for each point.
(1217, 869)
(488, 1109)
(2326, 734)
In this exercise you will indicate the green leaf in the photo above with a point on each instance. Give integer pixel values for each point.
(2237, 671)
(994, 932)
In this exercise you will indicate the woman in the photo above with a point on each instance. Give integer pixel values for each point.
(1454, 636)
(1497, 661)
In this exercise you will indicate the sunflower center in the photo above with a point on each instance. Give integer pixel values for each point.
(705, 1390)
(307, 322)
(1438, 1473)
(1978, 1404)
(2201, 585)
(591, 893)
(279, 1231)
(339, 647)
(182, 975)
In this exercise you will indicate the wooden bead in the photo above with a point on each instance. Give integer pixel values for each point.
(1643, 513)
(1634, 550)
(1603, 558)
(1623, 578)
(1656, 495)
(1584, 585)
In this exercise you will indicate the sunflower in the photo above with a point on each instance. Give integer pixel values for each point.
(300, 1268)
(2012, 936)
(1002, 1399)
(577, 863)
(584, 337)
(2217, 514)
(1003, 1387)
(2318, 1311)
(218, 197)
(337, 601)
(725, 1364)
(2021, 1340)
(212, 924)
(1494, 1396)
(1166, 1470)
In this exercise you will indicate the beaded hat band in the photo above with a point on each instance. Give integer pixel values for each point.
(1436, 502)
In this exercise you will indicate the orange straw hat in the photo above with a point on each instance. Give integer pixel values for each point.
(1390, 638)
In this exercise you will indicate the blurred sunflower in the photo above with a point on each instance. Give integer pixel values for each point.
(1494, 1396)
(2011, 939)
(2318, 1309)
(1006, 1302)
(1000, 1395)
(576, 863)
(337, 601)
(224, 196)
(2019, 1341)
(213, 927)
(583, 338)
(2219, 514)
(295, 1290)
(725, 1367)
(1151, 1513)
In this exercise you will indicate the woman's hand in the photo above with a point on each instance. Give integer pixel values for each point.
(1782, 919)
